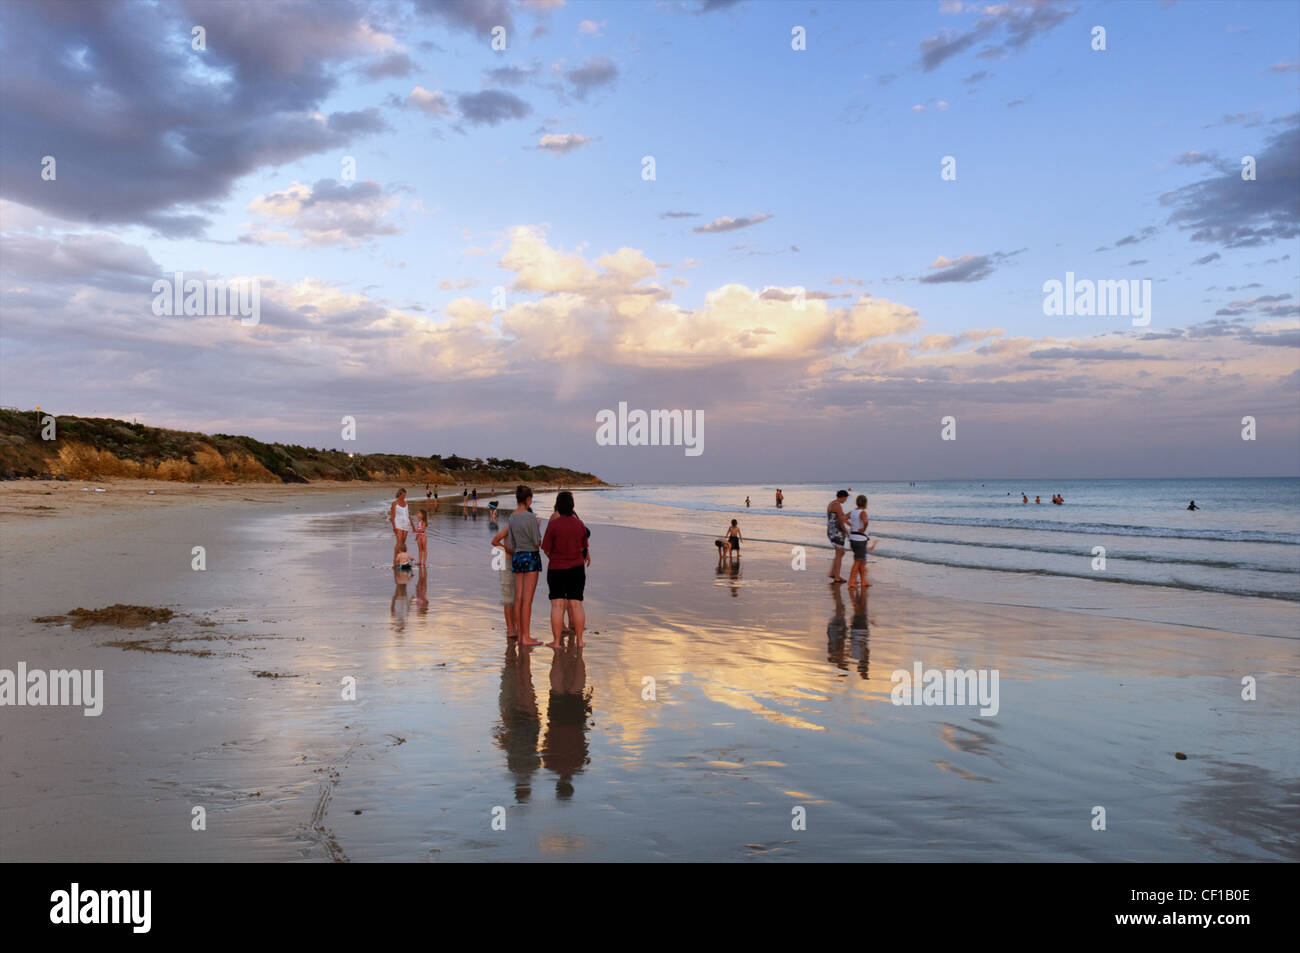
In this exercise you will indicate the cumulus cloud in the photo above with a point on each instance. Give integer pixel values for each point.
(155, 142)
(327, 213)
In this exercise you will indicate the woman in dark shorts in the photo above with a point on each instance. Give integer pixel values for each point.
(565, 545)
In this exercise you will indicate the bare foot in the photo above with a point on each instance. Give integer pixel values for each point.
(526, 641)
(554, 645)
(838, 581)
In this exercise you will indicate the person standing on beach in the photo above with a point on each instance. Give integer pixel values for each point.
(474, 499)
(837, 532)
(422, 536)
(746, 502)
(400, 518)
(526, 563)
(567, 553)
(858, 541)
(733, 537)
(780, 498)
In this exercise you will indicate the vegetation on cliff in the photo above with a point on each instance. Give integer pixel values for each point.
(100, 448)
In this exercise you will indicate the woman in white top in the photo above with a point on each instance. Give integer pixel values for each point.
(858, 541)
(400, 518)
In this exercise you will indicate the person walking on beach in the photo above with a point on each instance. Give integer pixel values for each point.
(858, 541)
(400, 519)
(568, 555)
(837, 532)
(526, 563)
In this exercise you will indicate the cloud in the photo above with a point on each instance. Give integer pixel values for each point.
(394, 64)
(590, 27)
(727, 224)
(155, 142)
(511, 75)
(490, 107)
(1284, 67)
(1090, 354)
(679, 215)
(1205, 260)
(327, 213)
(595, 72)
(967, 268)
(431, 103)
(563, 143)
(1235, 213)
(476, 16)
(1006, 27)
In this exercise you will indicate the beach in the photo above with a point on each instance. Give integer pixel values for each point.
(716, 713)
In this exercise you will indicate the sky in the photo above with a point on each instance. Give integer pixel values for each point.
(826, 227)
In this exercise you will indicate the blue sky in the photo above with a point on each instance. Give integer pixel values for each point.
(1115, 164)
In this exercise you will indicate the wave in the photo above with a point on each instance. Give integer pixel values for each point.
(993, 522)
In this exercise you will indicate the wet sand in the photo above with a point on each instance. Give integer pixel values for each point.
(771, 693)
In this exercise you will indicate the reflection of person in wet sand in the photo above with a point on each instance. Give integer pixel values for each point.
(401, 601)
(520, 724)
(564, 747)
(422, 593)
(859, 632)
(836, 632)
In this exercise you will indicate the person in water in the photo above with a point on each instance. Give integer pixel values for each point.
(746, 502)
(1023, 498)
(399, 517)
(1192, 505)
(1038, 499)
(837, 532)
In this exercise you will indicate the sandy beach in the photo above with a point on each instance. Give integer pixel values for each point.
(707, 708)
